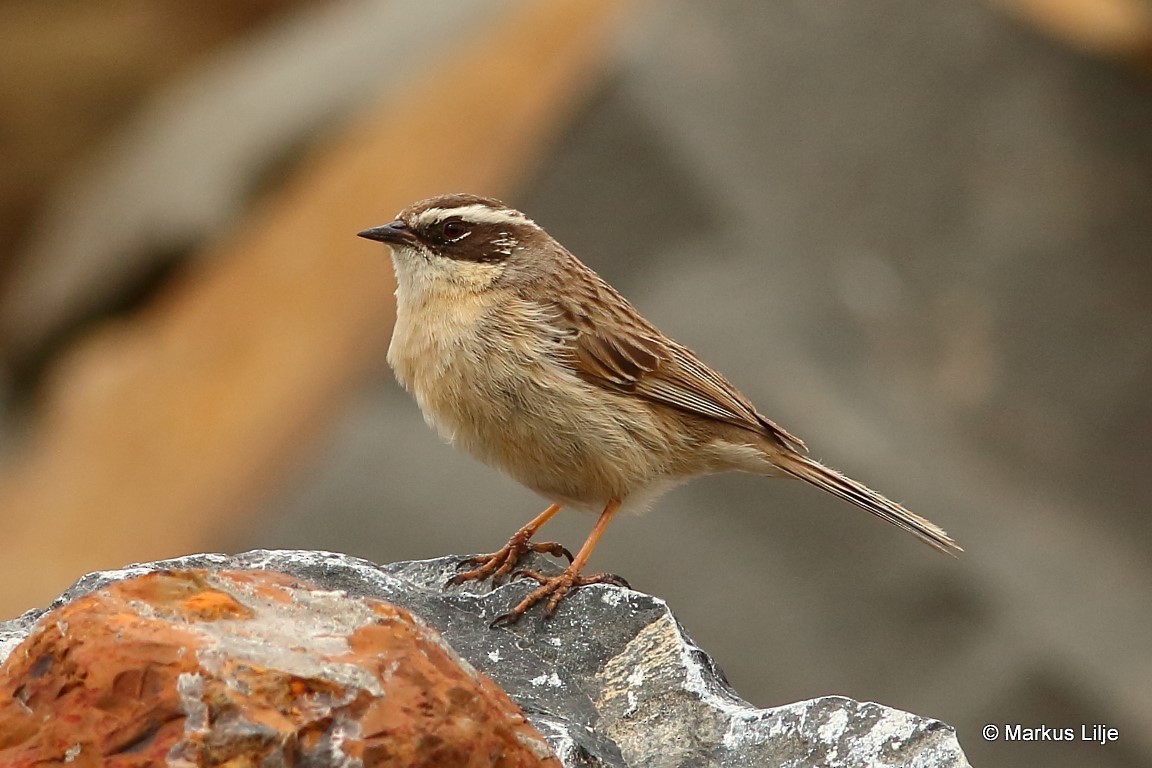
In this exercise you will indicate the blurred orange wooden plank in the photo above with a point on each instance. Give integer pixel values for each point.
(159, 430)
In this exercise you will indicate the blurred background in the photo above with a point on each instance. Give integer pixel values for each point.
(914, 232)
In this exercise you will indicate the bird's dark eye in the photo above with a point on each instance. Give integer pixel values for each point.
(453, 229)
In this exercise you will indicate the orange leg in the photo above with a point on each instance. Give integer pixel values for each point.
(500, 563)
(556, 587)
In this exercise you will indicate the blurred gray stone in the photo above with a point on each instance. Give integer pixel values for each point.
(610, 680)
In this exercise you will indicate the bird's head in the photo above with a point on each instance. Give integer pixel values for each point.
(461, 240)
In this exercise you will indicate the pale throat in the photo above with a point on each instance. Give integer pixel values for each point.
(438, 308)
(421, 278)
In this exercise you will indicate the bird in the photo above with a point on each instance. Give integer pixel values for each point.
(521, 355)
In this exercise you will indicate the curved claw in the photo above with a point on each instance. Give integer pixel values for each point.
(553, 548)
(469, 561)
(607, 578)
(456, 580)
(511, 617)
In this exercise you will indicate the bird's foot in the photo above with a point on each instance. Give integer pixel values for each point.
(500, 563)
(555, 589)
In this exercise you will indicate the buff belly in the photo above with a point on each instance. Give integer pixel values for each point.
(496, 394)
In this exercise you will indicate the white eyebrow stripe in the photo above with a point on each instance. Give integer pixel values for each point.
(480, 214)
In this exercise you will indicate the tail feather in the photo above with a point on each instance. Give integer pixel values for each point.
(848, 489)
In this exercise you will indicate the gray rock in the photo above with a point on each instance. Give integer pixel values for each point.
(610, 680)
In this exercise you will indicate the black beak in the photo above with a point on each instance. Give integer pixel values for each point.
(394, 233)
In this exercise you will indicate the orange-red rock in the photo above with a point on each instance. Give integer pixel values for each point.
(200, 668)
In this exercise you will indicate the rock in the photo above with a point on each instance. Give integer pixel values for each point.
(610, 680)
(199, 668)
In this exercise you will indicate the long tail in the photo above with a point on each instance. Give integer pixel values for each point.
(848, 489)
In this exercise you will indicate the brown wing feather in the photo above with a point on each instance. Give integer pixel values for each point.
(609, 344)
